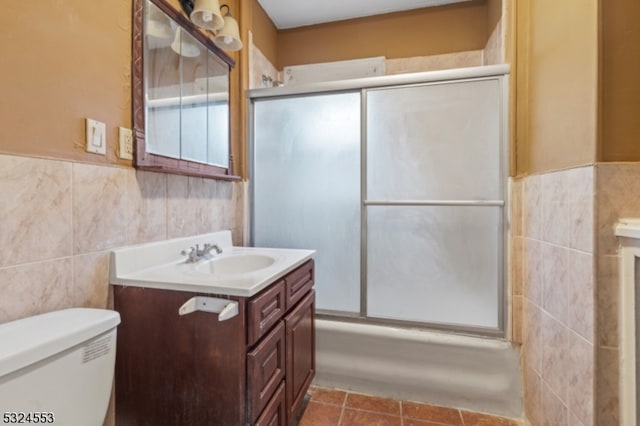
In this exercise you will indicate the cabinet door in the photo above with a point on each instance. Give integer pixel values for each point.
(301, 352)
(175, 370)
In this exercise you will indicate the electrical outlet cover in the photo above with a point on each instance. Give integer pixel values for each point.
(125, 143)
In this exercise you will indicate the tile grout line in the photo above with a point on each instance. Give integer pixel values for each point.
(344, 403)
(340, 418)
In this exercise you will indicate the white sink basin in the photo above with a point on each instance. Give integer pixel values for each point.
(235, 264)
(237, 271)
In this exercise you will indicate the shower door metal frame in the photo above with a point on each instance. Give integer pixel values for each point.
(493, 72)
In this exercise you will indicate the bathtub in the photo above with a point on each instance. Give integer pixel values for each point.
(478, 374)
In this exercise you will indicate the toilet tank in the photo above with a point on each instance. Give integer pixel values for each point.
(60, 364)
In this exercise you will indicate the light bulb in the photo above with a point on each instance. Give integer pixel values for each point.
(207, 16)
(228, 39)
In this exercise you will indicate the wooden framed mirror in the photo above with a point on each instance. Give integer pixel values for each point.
(181, 114)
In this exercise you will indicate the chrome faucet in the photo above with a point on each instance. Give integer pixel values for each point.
(194, 254)
(207, 249)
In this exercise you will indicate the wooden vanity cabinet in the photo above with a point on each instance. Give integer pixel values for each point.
(191, 370)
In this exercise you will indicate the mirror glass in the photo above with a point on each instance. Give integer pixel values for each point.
(185, 86)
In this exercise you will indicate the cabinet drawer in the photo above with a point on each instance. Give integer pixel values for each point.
(265, 370)
(264, 310)
(274, 413)
(298, 283)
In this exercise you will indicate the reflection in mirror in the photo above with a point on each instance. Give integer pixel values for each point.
(185, 97)
(218, 114)
(193, 106)
(162, 81)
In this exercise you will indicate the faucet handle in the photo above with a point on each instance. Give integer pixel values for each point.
(192, 254)
(186, 253)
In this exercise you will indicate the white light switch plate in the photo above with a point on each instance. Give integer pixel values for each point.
(125, 143)
(96, 136)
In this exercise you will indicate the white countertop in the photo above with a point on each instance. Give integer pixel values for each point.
(160, 265)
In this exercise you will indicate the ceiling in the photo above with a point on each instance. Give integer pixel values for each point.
(299, 13)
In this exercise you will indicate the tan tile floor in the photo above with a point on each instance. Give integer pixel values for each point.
(334, 407)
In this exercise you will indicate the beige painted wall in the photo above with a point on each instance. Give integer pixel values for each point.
(460, 28)
(577, 90)
(422, 32)
(265, 34)
(64, 61)
(620, 81)
(494, 14)
(557, 91)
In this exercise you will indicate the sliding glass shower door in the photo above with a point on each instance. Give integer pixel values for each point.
(306, 188)
(399, 188)
(434, 201)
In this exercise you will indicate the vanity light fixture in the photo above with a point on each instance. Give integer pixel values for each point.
(228, 38)
(207, 15)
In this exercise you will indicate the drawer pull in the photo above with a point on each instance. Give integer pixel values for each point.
(224, 308)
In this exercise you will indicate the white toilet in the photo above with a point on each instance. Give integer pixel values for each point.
(60, 363)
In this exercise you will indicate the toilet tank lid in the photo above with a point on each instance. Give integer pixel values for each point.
(29, 340)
